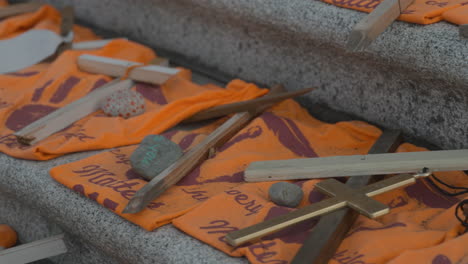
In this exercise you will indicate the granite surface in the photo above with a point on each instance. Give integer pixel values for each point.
(38, 207)
(30, 226)
(412, 77)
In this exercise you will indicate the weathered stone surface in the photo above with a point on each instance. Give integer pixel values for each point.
(154, 154)
(411, 78)
(286, 194)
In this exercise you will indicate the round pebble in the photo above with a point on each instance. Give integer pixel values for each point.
(286, 194)
(154, 155)
(123, 103)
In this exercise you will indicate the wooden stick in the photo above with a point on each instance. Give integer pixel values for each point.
(191, 159)
(93, 44)
(69, 114)
(409, 162)
(375, 23)
(18, 9)
(37, 250)
(464, 31)
(113, 67)
(66, 31)
(329, 232)
(273, 225)
(68, 19)
(65, 116)
(248, 105)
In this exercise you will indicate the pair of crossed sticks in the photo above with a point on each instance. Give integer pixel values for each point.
(342, 196)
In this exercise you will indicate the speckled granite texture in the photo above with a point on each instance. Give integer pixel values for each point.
(412, 77)
(38, 207)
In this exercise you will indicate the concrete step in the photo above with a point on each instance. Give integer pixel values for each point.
(412, 77)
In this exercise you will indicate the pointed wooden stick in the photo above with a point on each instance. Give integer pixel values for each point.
(18, 9)
(191, 159)
(66, 31)
(113, 67)
(375, 23)
(248, 105)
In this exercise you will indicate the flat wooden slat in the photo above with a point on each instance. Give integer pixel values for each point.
(327, 235)
(312, 168)
(248, 105)
(37, 250)
(18, 9)
(113, 67)
(355, 199)
(93, 44)
(375, 23)
(67, 115)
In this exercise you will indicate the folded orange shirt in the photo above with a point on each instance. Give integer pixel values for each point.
(34, 92)
(420, 12)
(213, 199)
(457, 15)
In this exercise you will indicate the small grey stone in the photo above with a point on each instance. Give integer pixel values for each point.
(154, 155)
(286, 194)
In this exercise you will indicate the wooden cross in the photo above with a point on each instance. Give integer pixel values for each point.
(375, 23)
(342, 197)
(330, 230)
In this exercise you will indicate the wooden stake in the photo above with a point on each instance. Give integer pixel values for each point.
(375, 23)
(464, 31)
(191, 159)
(248, 105)
(18, 9)
(93, 44)
(313, 168)
(66, 30)
(343, 196)
(65, 116)
(37, 250)
(330, 230)
(113, 67)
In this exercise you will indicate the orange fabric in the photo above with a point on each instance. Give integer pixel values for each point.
(457, 15)
(213, 199)
(420, 12)
(8, 236)
(40, 89)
